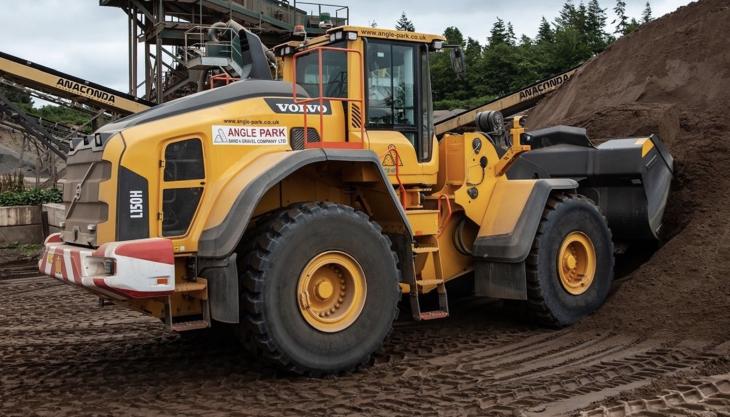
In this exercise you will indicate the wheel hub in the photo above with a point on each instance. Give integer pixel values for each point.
(325, 290)
(331, 291)
(576, 263)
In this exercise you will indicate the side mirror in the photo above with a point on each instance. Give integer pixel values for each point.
(458, 63)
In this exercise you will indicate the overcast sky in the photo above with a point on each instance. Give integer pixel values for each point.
(84, 39)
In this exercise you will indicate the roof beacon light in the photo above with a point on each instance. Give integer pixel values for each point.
(299, 31)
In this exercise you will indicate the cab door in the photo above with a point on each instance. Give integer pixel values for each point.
(399, 109)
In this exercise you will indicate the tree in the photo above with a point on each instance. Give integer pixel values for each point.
(545, 33)
(16, 95)
(595, 26)
(498, 34)
(510, 61)
(404, 24)
(621, 21)
(632, 26)
(566, 15)
(454, 36)
(646, 14)
(511, 38)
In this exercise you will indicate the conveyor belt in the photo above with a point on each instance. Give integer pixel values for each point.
(508, 105)
(64, 85)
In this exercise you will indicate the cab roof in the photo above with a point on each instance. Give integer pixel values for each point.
(401, 35)
(366, 32)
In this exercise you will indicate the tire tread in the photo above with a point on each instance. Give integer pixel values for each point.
(268, 235)
(536, 302)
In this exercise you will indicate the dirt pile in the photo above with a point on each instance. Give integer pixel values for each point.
(671, 77)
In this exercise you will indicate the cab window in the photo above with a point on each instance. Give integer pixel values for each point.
(334, 72)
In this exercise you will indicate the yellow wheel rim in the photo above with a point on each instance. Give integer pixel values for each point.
(577, 263)
(331, 291)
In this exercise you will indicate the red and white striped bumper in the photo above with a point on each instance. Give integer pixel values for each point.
(131, 269)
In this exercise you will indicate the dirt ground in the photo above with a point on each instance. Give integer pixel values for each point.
(63, 355)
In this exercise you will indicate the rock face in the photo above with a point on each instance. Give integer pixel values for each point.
(671, 77)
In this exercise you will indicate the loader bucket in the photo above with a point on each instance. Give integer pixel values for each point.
(636, 212)
(629, 179)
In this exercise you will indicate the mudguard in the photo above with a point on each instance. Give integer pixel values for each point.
(514, 246)
(499, 267)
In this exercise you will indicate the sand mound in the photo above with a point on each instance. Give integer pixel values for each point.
(672, 77)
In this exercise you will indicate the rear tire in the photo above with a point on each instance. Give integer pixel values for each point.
(278, 271)
(558, 295)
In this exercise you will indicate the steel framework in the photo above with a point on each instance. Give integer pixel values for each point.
(159, 28)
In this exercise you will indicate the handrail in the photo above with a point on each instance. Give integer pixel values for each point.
(196, 43)
(321, 99)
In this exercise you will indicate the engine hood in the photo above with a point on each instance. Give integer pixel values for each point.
(236, 91)
(232, 92)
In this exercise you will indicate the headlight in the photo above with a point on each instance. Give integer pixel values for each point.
(99, 266)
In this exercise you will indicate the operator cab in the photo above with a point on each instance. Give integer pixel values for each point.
(384, 71)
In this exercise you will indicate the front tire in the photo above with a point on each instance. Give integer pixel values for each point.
(570, 266)
(320, 289)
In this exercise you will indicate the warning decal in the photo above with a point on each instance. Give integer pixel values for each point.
(249, 135)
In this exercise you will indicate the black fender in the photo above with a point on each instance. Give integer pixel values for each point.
(499, 269)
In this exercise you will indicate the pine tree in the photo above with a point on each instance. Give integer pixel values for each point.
(621, 21)
(580, 18)
(511, 38)
(595, 24)
(545, 33)
(454, 36)
(404, 24)
(498, 34)
(567, 14)
(646, 14)
(632, 26)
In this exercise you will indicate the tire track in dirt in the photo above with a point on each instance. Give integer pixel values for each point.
(705, 397)
(62, 355)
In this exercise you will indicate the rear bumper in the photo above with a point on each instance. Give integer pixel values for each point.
(135, 269)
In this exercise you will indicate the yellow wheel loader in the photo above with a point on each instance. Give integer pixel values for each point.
(302, 211)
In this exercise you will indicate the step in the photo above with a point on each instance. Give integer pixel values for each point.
(184, 326)
(433, 315)
(429, 282)
(190, 286)
(425, 249)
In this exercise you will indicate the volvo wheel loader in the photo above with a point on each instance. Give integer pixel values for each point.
(302, 211)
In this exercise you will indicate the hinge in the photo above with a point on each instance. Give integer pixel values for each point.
(162, 163)
(159, 216)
